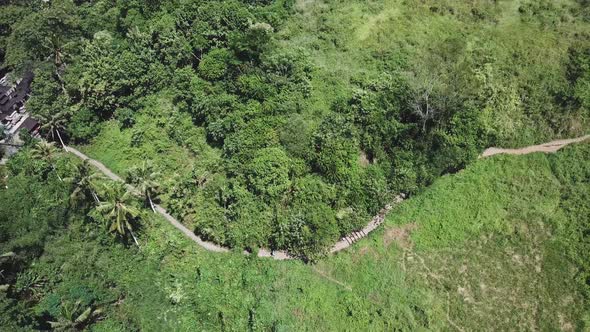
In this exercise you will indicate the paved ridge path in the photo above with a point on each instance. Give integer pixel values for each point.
(351, 238)
(207, 245)
(550, 147)
(344, 243)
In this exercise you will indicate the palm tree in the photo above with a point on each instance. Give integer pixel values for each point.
(143, 177)
(84, 183)
(46, 152)
(117, 206)
(56, 47)
(54, 125)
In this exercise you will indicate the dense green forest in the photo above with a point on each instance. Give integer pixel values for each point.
(287, 124)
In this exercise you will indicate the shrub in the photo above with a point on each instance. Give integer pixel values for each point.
(214, 64)
(268, 173)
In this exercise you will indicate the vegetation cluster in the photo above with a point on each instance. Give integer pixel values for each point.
(507, 237)
(287, 124)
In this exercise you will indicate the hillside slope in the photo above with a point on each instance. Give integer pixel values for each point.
(499, 245)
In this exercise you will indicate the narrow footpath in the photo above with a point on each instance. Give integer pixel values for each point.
(351, 238)
(206, 245)
(550, 147)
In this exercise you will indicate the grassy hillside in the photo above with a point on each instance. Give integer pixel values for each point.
(513, 54)
(287, 124)
(499, 245)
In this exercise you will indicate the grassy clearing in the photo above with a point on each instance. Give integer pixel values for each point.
(114, 148)
(161, 134)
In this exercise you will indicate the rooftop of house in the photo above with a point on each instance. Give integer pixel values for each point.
(30, 124)
(13, 97)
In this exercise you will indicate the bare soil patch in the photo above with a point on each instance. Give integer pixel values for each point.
(364, 159)
(400, 235)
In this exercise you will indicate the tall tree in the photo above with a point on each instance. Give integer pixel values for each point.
(118, 209)
(44, 35)
(53, 125)
(84, 183)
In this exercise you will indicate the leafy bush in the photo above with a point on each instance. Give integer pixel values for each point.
(268, 173)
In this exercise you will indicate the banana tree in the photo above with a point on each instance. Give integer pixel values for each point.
(73, 318)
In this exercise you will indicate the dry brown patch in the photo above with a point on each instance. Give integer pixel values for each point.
(298, 313)
(564, 324)
(362, 252)
(399, 235)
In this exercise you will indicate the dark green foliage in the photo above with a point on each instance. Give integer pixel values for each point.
(214, 64)
(45, 88)
(47, 33)
(125, 117)
(307, 231)
(248, 106)
(579, 75)
(33, 207)
(113, 76)
(83, 125)
(337, 150)
(268, 173)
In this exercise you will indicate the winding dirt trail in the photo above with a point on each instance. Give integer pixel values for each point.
(346, 241)
(550, 147)
(101, 167)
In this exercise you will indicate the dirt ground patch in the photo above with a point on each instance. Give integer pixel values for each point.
(363, 252)
(549, 147)
(364, 159)
(400, 235)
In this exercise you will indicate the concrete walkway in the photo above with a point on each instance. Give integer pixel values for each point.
(346, 241)
(545, 147)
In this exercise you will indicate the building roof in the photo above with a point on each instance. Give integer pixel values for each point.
(30, 124)
(8, 104)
